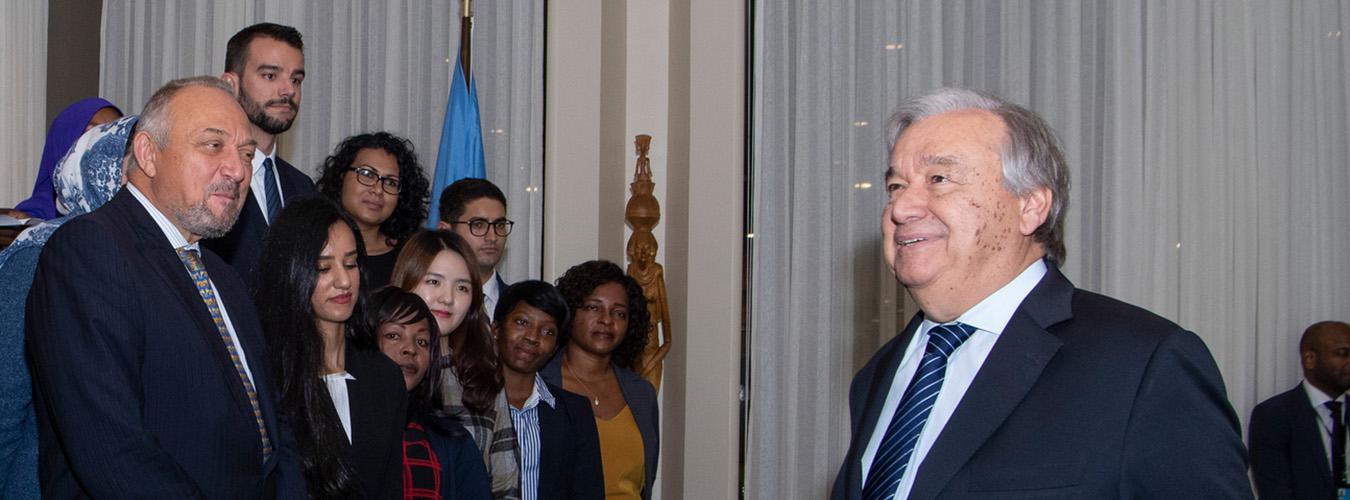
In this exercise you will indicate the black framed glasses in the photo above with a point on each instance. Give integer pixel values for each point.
(479, 227)
(369, 177)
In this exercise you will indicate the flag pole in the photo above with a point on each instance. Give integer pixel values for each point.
(466, 36)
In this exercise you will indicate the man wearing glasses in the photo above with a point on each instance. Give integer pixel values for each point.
(476, 210)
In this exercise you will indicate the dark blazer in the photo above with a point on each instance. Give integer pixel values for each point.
(242, 246)
(569, 449)
(378, 400)
(136, 395)
(463, 474)
(1288, 457)
(641, 398)
(1082, 396)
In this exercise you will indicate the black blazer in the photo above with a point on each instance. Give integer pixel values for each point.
(569, 449)
(1288, 457)
(379, 405)
(641, 399)
(1082, 396)
(242, 246)
(136, 396)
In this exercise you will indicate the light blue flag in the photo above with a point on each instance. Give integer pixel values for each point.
(461, 152)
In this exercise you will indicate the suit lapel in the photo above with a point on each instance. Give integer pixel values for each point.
(360, 390)
(1011, 370)
(878, 387)
(1308, 435)
(163, 263)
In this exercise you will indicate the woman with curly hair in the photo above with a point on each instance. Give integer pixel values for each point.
(599, 352)
(378, 181)
(346, 405)
(438, 266)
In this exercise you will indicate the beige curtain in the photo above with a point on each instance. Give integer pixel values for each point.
(23, 94)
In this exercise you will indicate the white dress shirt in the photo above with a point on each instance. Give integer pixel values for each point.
(177, 241)
(989, 317)
(1319, 401)
(337, 391)
(259, 180)
(491, 291)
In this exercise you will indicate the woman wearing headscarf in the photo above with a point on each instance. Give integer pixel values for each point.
(83, 181)
(68, 126)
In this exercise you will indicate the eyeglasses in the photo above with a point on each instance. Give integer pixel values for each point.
(479, 227)
(369, 177)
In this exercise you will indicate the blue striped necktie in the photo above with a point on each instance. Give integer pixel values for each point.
(193, 260)
(270, 190)
(897, 445)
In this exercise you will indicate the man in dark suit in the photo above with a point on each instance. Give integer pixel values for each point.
(476, 210)
(265, 63)
(148, 360)
(1293, 436)
(559, 444)
(1011, 382)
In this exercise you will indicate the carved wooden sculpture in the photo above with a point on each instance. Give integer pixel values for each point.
(643, 214)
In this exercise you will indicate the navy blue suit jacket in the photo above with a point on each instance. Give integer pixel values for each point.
(1082, 396)
(378, 401)
(1289, 460)
(641, 399)
(569, 455)
(136, 395)
(242, 246)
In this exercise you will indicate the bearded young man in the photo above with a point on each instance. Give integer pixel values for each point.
(265, 63)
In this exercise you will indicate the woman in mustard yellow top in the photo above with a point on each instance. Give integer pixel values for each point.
(607, 334)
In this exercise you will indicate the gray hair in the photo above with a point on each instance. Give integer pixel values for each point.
(155, 116)
(1031, 156)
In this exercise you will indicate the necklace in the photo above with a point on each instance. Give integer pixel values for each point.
(594, 400)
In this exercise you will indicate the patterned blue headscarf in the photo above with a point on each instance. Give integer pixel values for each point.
(86, 178)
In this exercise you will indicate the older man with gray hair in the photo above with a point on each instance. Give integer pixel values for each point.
(148, 361)
(1011, 382)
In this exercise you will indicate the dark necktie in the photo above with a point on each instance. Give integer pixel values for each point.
(902, 435)
(193, 260)
(270, 190)
(1337, 443)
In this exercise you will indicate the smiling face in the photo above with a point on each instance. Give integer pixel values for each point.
(447, 288)
(197, 177)
(370, 206)
(269, 89)
(339, 279)
(951, 232)
(526, 339)
(602, 320)
(408, 344)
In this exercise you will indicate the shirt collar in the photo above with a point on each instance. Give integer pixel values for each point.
(994, 312)
(175, 236)
(490, 285)
(539, 393)
(1319, 398)
(259, 156)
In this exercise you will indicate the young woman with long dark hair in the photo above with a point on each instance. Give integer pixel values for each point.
(438, 266)
(347, 406)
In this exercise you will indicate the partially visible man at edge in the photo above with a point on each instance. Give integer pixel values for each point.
(150, 370)
(265, 63)
(1011, 382)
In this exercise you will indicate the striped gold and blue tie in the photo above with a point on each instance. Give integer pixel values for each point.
(193, 260)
